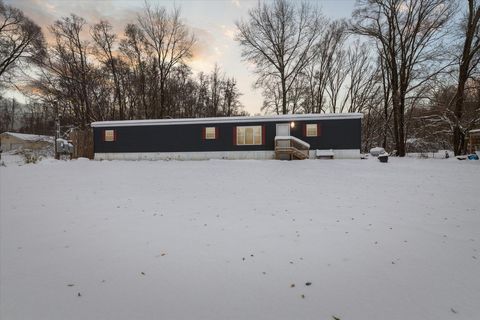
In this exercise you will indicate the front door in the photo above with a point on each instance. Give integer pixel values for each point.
(283, 129)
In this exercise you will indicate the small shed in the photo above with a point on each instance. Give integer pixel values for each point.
(18, 141)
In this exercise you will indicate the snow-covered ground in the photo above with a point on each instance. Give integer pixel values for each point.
(352, 239)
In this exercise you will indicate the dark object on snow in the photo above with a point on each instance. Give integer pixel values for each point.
(308, 284)
(461, 157)
(446, 154)
(472, 156)
(79, 294)
(383, 158)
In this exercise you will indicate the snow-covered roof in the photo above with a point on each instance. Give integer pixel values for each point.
(474, 131)
(274, 118)
(29, 137)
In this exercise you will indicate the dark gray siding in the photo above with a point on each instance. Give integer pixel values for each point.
(334, 134)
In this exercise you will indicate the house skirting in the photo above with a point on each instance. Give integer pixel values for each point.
(228, 155)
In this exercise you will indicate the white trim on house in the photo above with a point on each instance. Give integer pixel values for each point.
(200, 155)
(275, 118)
(206, 155)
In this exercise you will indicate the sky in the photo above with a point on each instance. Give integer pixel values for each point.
(212, 21)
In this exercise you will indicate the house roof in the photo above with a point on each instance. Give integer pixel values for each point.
(29, 137)
(274, 118)
(474, 131)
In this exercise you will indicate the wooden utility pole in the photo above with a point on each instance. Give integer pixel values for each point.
(13, 115)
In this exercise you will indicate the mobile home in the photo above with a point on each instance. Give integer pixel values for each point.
(297, 136)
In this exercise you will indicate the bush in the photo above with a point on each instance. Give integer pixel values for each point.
(31, 157)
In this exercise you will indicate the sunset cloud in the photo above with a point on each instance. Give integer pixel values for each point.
(236, 3)
(229, 32)
(204, 53)
(46, 12)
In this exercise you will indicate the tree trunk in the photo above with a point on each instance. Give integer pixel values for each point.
(459, 99)
(284, 96)
(401, 131)
(467, 55)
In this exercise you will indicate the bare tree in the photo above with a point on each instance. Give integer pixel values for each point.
(321, 68)
(7, 114)
(21, 40)
(104, 40)
(231, 104)
(107, 79)
(216, 80)
(138, 57)
(279, 38)
(170, 40)
(364, 85)
(387, 98)
(67, 77)
(272, 98)
(408, 34)
(202, 95)
(73, 52)
(335, 79)
(468, 61)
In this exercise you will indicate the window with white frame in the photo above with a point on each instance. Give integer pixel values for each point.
(311, 130)
(109, 135)
(249, 135)
(210, 133)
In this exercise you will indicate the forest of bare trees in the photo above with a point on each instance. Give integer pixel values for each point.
(88, 73)
(411, 67)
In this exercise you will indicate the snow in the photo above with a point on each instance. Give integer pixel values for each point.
(228, 239)
(9, 158)
(240, 119)
(377, 151)
(301, 142)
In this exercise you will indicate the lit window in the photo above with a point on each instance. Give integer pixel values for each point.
(210, 133)
(109, 135)
(312, 130)
(249, 135)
